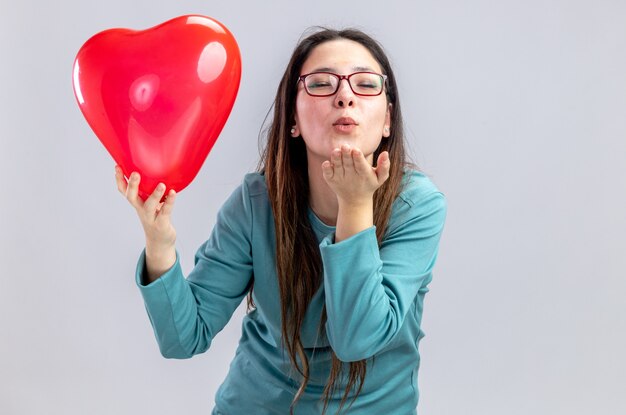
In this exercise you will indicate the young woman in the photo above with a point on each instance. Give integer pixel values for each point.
(333, 241)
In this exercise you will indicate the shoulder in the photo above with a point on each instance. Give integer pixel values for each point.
(419, 199)
(417, 188)
(254, 185)
(250, 198)
(245, 197)
(247, 203)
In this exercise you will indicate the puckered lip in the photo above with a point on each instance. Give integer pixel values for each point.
(345, 121)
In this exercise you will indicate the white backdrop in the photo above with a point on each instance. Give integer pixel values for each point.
(515, 109)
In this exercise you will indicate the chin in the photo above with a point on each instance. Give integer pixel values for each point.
(338, 141)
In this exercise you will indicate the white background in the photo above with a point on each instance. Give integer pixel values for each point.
(515, 109)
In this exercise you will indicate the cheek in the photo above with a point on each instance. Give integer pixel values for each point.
(379, 115)
(308, 115)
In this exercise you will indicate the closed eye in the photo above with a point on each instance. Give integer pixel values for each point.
(319, 84)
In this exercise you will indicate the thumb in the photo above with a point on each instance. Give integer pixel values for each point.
(383, 165)
(168, 204)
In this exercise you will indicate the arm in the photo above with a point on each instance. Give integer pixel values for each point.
(186, 314)
(370, 290)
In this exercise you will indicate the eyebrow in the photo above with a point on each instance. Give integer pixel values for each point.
(354, 68)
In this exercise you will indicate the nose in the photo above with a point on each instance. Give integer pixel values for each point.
(344, 96)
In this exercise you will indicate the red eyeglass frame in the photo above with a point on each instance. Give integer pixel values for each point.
(341, 78)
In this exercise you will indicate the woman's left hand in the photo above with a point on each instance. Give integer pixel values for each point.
(351, 176)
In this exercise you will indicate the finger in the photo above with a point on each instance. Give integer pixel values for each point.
(346, 157)
(133, 189)
(152, 202)
(168, 205)
(327, 170)
(120, 180)
(383, 165)
(336, 161)
(361, 165)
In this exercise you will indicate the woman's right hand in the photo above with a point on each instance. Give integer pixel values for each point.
(153, 214)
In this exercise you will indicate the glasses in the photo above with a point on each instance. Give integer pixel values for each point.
(325, 84)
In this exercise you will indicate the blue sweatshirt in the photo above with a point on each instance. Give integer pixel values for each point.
(374, 298)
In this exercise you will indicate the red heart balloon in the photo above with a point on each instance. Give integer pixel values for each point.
(158, 98)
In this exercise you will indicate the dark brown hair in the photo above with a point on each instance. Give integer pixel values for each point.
(284, 163)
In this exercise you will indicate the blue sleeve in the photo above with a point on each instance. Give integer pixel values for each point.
(186, 314)
(370, 289)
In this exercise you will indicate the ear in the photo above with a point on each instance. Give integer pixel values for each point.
(387, 125)
(295, 131)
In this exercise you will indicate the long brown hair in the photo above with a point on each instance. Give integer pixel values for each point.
(284, 163)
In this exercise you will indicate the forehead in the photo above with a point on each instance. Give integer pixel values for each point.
(342, 56)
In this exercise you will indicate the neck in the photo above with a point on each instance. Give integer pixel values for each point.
(322, 199)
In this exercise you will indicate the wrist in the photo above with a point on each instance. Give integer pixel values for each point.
(356, 204)
(160, 253)
(353, 218)
(159, 246)
(158, 262)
